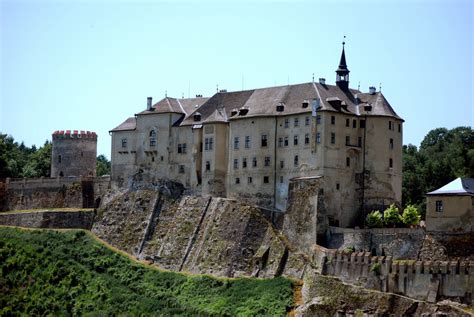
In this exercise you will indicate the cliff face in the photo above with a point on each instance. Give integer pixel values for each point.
(209, 235)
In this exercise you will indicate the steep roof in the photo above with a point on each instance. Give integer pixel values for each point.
(459, 186)
(175, 105)
(263, 102)
(127, 125)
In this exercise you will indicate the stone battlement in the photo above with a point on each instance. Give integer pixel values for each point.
(74, 134)
(424, 280)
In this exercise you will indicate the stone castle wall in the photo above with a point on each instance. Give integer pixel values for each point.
(49, 219)
(423, 280)
(61, 192)
(74, 154)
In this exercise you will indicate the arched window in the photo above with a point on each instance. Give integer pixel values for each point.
(152, 138)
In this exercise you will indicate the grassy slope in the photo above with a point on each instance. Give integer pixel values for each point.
(70, 273)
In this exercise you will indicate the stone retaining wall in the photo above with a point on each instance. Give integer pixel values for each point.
(81, 219)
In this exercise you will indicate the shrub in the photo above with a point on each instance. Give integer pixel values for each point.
(374, 219)
(391, 216)
(411, 216)
(376, 268)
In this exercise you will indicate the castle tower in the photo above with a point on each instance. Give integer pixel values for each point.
(342, 77)
(74, 154)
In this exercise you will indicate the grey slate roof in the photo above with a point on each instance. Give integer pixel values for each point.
(263, 102)
(459, 186)
(127, 125)
(174, 105)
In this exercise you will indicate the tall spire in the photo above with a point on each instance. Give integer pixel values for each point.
(342, 77)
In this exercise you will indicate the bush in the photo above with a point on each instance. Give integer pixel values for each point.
(391, 216)
(376, 268)
(374, 219)
(411, 216)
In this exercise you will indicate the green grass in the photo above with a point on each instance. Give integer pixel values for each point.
(46, 272)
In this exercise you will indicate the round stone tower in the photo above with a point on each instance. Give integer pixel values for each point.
(74, 154)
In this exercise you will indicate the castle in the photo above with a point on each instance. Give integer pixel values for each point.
(249, 144)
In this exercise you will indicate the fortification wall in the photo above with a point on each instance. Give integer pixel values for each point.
(49, 219)
(423, 280)
(400, 243)
(60, 192)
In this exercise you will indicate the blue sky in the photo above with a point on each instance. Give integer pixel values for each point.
(88, 65)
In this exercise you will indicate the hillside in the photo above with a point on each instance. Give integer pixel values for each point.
(71, 273)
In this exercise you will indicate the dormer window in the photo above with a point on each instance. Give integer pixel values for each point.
(197, 116)
(152, 138)
(280, 107)
(305, 104)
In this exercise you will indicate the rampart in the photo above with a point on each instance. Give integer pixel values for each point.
(49, 219)
(423, 280)
(60, 192)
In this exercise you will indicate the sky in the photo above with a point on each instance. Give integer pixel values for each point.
(89, 65)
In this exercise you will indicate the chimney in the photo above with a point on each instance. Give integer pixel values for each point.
(372, 90)
(148, 103)
(322, 81)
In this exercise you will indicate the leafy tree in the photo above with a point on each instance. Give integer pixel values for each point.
(391, 216)
(374, 219)
(411, 216)
(103, 165)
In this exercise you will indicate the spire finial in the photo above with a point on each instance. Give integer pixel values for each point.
(313, 77)
(166, 93)
(380, 87)
(344, 41)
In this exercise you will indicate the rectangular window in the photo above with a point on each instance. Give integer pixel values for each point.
(280, 142)
(359, 141)
(286, 141)
(244, 162)
(264, 140)
(354, 123)
(287, 123)
(208, 144)
(296, 161)
(124, 142)
(362, 123)
(348, 161)
(247, 142)
(318, 119)
(333, 138)
(318, 137)
(282, 164)
(236, 143)
(399, 127)
(267, 160)
(347, 122)
(254, 162)
(208, 165)
(333, 120)
(183, 147)
(249, 180)
(236, 164)
(211, 144)
(439, 206)
(179, 148)
(348, 140)
(181, 169)
(306, 138)
(391, 144)
(390, 163)
(390, 125)
(237, 180)
(297, 122)
(295, 140)
(306, 120)
(266, 179)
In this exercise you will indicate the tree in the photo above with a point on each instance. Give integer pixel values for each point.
(391, 216)
(103, 165)
(411, 216)
(374, 219)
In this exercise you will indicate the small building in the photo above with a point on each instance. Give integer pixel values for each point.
(450, 208)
